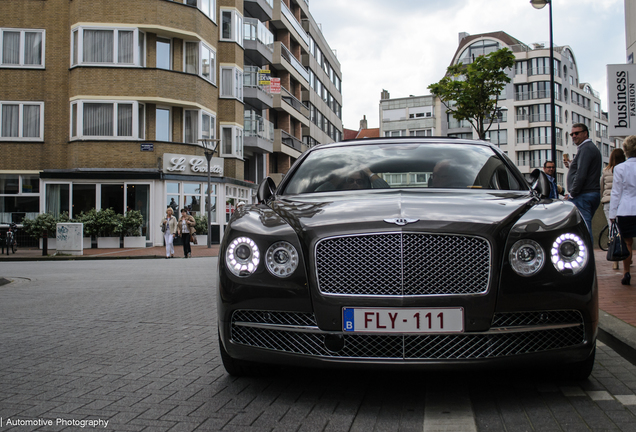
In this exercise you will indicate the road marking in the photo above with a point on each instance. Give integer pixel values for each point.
(599, 395)
(449, 411)
(626, 399)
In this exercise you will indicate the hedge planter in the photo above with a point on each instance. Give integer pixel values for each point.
(87, 242)
(108, 242)
(135, 242)
(51, 244)
(202, 239)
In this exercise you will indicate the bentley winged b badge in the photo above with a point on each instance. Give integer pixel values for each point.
(400, 221)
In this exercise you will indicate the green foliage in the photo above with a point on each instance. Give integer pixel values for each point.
(43, 222)
(201, 224)
(132, 223)
(470, 92)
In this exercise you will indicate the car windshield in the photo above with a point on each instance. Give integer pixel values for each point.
(399, 165)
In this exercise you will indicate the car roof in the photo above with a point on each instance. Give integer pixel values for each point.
(404, 140)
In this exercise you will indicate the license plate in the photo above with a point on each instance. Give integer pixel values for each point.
(405, 320)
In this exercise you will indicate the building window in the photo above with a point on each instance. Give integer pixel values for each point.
(421, 132)
(231, 26)
(163, 53)
(19, 197)
(162, 124)
(198, 124)
(107, 47)
(231, 83)
(107, 120)
(22, 48)
(21, 121)
(232, 142)
(208, 7)
(200, 60)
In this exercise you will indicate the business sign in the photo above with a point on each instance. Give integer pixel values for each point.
(274, 87)
(191, 165)
(621, 90)
(264, 76)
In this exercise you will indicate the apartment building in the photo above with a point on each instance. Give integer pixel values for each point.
(522, 127)
(109, 100)
(410, 116)
(630, 29)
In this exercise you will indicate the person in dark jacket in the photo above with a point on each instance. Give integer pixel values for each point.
(584, 174)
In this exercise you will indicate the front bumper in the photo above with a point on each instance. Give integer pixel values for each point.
(295, 338)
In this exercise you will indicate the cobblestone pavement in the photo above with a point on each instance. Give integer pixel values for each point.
(134, 343)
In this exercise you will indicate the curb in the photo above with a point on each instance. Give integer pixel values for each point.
(622, 331)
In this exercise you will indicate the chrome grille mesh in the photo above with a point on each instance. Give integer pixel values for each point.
(429, 347)
(536, 318)
(406, 264)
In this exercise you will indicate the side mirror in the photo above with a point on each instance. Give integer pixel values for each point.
(265, 190)
(540, 183)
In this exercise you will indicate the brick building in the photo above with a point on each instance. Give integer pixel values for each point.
(104, 103)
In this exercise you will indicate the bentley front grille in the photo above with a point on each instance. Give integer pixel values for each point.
(249, 329)
(403, 264)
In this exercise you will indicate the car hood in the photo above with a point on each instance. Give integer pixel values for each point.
(432, 211)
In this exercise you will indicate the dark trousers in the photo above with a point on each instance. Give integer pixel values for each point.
(185, 237)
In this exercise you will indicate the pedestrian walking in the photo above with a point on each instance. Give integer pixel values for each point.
(185, 228)
(607, 177)
(169, 229)
(584, 174)
(623, 201)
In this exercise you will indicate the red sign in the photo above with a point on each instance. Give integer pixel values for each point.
(274, 86)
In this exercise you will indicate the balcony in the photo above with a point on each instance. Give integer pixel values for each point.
(541, 94)
(290, 141)
(258, 42)
(261, 9)
(454, 124)
(284, 19)
(255, 94)
(285, 60)
(258, 133)
(542, 117)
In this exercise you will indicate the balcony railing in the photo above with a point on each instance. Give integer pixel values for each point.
(257, 126)
(543, 117)
(541, 94)
(542, 140)
(542, 70)
(291, 141)
(250, 77)
(256, 31)
(454, 124)
(294, 102)
(287, 55)
(294, 22)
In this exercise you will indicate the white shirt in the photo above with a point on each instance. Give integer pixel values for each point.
(623, 200)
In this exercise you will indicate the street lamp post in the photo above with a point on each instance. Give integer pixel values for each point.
(540, 4)
(209, 147)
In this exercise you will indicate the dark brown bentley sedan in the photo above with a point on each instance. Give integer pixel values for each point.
(421, 252)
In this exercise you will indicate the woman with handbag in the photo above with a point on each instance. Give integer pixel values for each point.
(623, 201)
(169, 229)
(185, 227)
(607, 178)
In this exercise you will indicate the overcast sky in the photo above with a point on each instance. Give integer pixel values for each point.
(405, 45)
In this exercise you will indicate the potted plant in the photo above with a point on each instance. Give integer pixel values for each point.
(202, 229)
(131, 229)
(44, 222)
(108, 225)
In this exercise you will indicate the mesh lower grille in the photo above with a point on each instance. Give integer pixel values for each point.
(536, 318)
(403, 264)
(430, 347)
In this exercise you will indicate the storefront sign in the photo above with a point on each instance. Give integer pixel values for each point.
(191, 165)
(621, 90)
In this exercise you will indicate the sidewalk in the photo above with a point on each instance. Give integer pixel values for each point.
(34, 254)
(617, 303)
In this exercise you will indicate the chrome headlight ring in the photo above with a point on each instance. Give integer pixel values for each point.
(281, 259)
(526, 257)
(242, 256)
(569, 255)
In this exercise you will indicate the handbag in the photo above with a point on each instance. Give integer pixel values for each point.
(617, 249)
(193, 238)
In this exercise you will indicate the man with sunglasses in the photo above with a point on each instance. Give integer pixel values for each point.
(584, 175)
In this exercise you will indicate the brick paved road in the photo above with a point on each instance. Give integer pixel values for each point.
(134, 343)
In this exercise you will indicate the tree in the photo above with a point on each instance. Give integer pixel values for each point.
(470, 91)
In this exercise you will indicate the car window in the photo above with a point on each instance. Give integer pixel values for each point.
(417, 165)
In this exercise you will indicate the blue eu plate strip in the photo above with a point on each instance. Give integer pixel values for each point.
(347, 319)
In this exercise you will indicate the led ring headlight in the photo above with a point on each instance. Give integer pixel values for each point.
(569, 254)
(242, 256)
(526, 257)
(281, 259)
